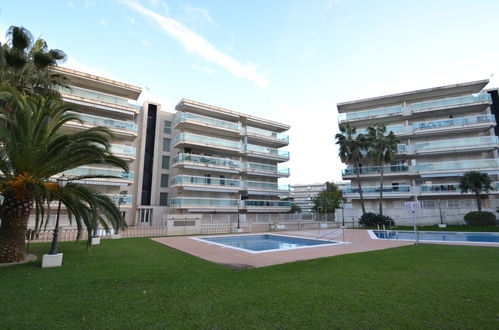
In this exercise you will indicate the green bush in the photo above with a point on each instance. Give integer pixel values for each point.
(373, 220)
(480, 218)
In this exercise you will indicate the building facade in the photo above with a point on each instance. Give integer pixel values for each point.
(443, 132)
(303, 195)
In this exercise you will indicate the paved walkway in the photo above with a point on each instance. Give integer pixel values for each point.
(355, 241)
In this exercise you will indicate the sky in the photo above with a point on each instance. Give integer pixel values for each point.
(290, 61)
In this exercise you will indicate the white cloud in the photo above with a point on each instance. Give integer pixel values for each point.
(103, 22)
(205, 69)
(132, 21)
(198, 12)
(195, 43)
(72, 63)
(89, 4)
(71, 5)
(145, 42)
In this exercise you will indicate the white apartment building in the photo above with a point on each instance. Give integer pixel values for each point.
(303, 195)
(443, 132)
(224, 161)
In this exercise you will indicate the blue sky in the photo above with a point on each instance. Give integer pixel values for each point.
(289, 61)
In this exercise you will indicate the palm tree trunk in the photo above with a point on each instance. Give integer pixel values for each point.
(381, 191)
(360, 189)
(479, 202)
(14, 214)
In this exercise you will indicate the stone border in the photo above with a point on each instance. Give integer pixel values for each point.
(29, 257)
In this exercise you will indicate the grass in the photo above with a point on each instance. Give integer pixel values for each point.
(137, 283)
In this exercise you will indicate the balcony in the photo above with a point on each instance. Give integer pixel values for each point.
(202, 183)
(187, 139)
(456, 168)
(252, 205)
(122, 200)
(376, 170)
(458, 124)
(206, 163)
(116, 126)
(396, 129)
(123, 151)
(371, 114)
(478, 143)
(189, 120)
(266, 152)
(267, 188)
(205, 204)
(372, 192)
(265, 170)
(464, 103)
(448, 189)
(121, 178)
(263, 135)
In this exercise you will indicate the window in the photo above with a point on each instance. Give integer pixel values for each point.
(166, 144)
(222, 180)
(163, 199)
(207, 178)
(164, 180)
(165, 162)
(145, 215)
(168, 127)
(471, 204)
(431, 204)
(453, 203)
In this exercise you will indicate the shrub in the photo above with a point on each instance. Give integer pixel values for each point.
(480, 218)
(373, 220)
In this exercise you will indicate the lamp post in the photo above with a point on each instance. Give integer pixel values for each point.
(62, 181)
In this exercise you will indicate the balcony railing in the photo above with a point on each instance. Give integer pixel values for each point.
(447, 187)
(121, 199)
(396, 129)
(465, 165)
(267, 134)
(454, 122)
(204, 181)
(107, 122)
(203, 202)
(267, 186)
(207, 161)
(376, 189)
(457, 143)
(264, 203)
(370, 113)
(96, 96)
(101, 171)
(123, 150)
(453, 101)
(266, 168)
(377, 170)
(194, 138)
(266, 150)
(206, 120)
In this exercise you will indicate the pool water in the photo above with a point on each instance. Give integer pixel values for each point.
(265, 242)
(438, 236)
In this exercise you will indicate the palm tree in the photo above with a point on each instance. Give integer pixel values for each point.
(476, 183)
(25, 63)
(351, 147)
(328, 200)
(34, 149)
(382, 148)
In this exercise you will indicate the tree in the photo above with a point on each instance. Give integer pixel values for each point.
(351, 147)
(25, 64)
(382, 148)
(476, 183)
(328, 200)
(295, 209)
(34, 149)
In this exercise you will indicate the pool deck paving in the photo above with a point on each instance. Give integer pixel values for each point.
(355, 241)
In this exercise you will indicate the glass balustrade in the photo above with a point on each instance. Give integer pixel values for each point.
(266, 150)
(396, 129)
(267, 186)
(370, 113)
(453, 101)
(96, 96)
(436, 188)
(376, 169)
(194, 138)
(372, 190)
(123, 150)
(266, 133)
(474, 164)
(457, 122)
(207, 160)
(204, 181)
(206, 120)
(106, 122)
(456, 143)
(121, 199)
(401, 148)
(187, 201)
(263, 203)
(100, 171)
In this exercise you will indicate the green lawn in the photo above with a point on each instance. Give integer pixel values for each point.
(137, 283)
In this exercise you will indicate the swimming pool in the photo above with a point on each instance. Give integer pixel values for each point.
(264, 242)
(436, 236)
